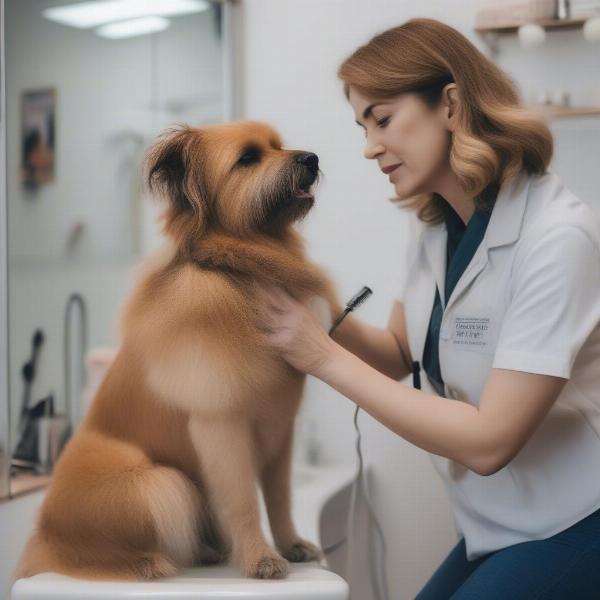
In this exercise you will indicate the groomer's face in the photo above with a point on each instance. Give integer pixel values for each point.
(404, 131)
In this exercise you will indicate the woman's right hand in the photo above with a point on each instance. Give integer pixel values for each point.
(383, 349)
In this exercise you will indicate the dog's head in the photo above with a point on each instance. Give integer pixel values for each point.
(235, 177)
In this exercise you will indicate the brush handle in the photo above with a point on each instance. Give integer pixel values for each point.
(339, 320)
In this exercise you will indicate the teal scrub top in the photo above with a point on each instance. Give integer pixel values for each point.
(463, 241)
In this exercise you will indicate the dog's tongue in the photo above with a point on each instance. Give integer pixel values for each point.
(303, 194)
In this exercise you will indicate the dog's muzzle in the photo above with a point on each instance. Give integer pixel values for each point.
(311, 162)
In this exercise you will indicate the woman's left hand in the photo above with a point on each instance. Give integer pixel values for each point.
(295, 332)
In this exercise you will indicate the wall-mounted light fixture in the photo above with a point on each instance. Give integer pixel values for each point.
(531, 35)
(591, 30)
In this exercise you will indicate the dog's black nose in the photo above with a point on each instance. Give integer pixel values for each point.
(309, 160)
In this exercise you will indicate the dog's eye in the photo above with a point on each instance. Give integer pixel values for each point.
(252, 155)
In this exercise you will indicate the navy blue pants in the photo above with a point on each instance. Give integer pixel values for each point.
(565, 566)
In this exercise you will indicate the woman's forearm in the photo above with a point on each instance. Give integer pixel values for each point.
(441, 426)
(377, 347)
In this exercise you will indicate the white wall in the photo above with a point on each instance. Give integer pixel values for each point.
(293, 49)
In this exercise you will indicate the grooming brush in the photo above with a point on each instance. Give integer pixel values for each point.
(355, 301)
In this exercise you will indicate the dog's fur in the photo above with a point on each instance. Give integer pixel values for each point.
(196, 406)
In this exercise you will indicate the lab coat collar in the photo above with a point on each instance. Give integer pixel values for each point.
(507, 216)
(503, 228)
(435, 238)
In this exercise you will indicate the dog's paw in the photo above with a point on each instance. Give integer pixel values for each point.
(302, 551)
(154, 566)
(269, 566)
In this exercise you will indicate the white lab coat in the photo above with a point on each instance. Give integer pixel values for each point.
(528, 301)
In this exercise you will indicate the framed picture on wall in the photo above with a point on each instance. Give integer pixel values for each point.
(38, 110)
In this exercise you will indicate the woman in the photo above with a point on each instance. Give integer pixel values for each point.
(501, 308)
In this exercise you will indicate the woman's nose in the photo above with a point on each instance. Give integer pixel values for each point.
(373, 150)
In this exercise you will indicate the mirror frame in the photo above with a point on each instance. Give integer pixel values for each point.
(5, 442)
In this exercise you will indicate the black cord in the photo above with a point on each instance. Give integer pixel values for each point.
(355, 301)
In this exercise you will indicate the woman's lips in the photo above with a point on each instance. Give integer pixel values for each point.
(389, 169)
(394, 170)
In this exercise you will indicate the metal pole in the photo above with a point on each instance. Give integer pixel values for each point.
(5, 420)
(227, 64)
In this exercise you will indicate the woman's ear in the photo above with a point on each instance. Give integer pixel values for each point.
(449, 105)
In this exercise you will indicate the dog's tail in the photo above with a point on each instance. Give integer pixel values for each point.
(132, 519)
(42, 555)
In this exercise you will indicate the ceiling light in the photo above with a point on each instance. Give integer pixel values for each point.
(92, 14)
(131, 27)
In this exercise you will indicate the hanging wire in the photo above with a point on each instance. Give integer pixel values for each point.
(378, 577)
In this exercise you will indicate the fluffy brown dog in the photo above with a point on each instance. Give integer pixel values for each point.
(196, 408)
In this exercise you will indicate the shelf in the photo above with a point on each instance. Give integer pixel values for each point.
(25, 483)
(510, 28)
(554, 111)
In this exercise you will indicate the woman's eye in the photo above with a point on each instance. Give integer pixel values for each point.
(382, 122)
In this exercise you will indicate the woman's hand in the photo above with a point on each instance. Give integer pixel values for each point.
(295, 332)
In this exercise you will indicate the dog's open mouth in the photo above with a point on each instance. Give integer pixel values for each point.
(293, 203)
(303, 193)
(290, 207)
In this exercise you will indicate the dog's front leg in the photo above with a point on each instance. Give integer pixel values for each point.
(226, 454)
(275, 480)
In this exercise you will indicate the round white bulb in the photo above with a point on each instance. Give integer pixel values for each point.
(531, 35)
(591, 30)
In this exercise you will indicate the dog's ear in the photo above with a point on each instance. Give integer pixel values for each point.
(172, 168)
(165, 167)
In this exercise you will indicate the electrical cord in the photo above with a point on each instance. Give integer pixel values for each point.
(379, 586)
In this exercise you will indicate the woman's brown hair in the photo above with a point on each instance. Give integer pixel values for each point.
(496, 137)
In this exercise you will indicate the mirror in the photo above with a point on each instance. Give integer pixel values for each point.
(83, 101)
